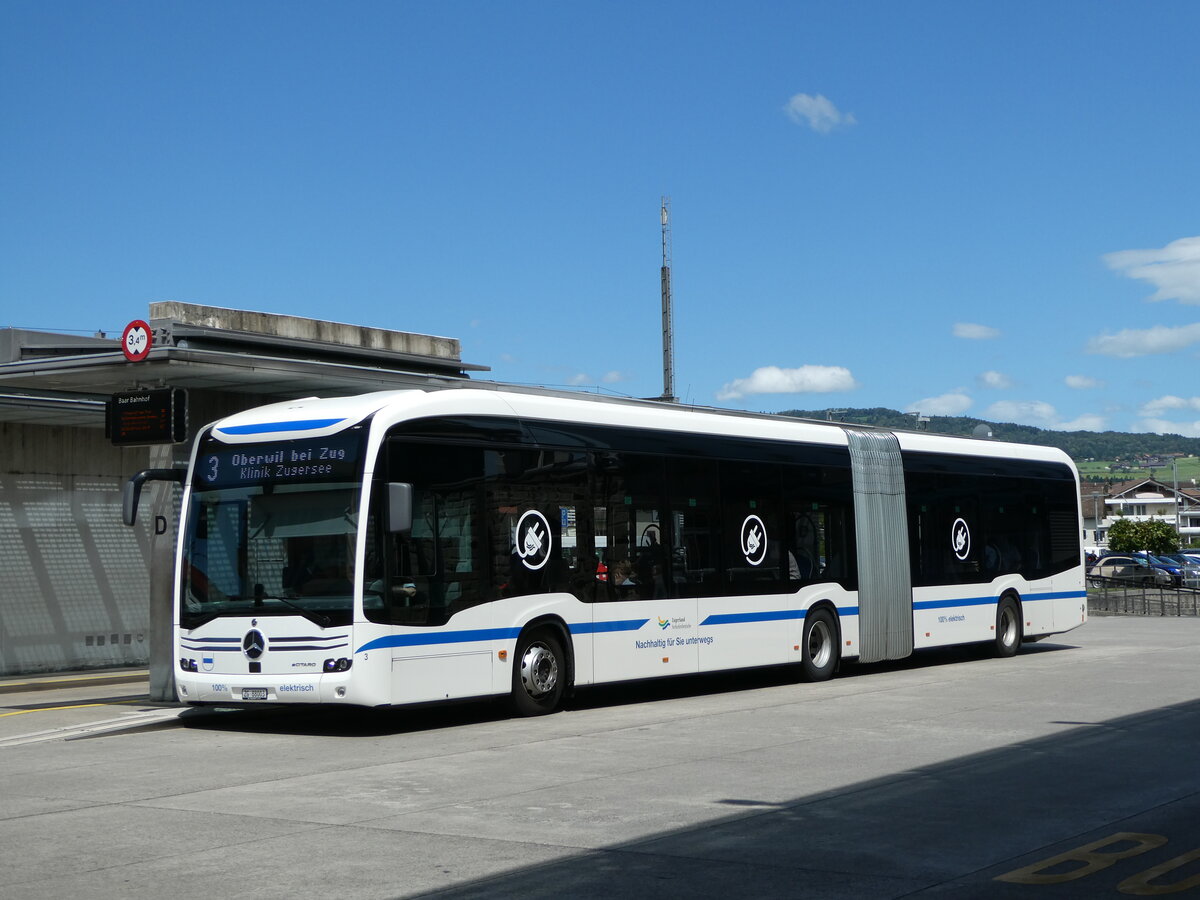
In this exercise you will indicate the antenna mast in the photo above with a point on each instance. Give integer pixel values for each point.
(668, 325)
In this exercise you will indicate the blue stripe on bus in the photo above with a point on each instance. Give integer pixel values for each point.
(944, 604)
(984, 601)
(783, 615)
(1060, 595)
(488, 634)
(492, 634)
(770, 616)
(603, 627)
(272, 427)
(212, 649)
(439, 637)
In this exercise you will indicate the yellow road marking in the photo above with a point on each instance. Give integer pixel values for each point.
(21, 712)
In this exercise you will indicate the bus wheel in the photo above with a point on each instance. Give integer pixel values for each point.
(539, 673)
(818, 646)
(1008, 628)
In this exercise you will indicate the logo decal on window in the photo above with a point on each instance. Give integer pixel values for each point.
(960, 539)
(754, 540)
(533, 539)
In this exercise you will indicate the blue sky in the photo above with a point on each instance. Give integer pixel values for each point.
(956, 208)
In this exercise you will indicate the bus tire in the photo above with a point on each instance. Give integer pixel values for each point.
(819, 646)
(539, 673)
(1008, 628)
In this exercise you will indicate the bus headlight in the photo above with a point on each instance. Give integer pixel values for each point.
(337, 665)
(188, 665)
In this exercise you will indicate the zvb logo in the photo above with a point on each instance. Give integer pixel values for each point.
(533, 539)
(253, 644)
(754, 540)
(960, 539)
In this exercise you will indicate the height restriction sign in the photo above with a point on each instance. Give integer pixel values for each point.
(135, 341)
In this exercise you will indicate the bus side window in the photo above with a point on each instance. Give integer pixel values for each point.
(820, 504)
(629, 485)
(426, 575)
(695, 527)
(540, 519)
(753, 534)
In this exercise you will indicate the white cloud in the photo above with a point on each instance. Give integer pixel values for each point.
(581, 378)
(1086, 422)
(817, 113)
(1042, 415)
(1164, 426)
(1082, 382)
(1160, 405)
(1024, 412)
(1145, 342)
(954, 403)
(614, 376)
(973, 332)
(804, 380)
(995, 380)
(1174, 270)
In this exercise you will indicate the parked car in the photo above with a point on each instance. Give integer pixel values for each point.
(1189, 568)
(1179, 575)
(1132, 569)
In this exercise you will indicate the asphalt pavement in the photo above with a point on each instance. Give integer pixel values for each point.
(1070, 770)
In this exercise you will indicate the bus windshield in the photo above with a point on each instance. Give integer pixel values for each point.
(289, 552)
(271, 530)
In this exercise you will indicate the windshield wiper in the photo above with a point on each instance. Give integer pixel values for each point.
(195, 620)
(312, 615)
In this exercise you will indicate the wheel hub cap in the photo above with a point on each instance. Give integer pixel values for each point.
(539, 670)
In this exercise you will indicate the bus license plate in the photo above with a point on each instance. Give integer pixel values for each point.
(254, 693)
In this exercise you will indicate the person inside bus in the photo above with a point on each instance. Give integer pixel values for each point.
(584, 577)
(803, 561)
(620, 581)
(648, 571)
(297, 575)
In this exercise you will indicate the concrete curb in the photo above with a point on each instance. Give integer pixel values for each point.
(22, 683)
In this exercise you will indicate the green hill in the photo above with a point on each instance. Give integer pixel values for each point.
(1079, 445)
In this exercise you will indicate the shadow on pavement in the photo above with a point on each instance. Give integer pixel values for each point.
(1129, 787)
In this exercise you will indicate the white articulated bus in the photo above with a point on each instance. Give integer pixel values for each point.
(420, 546)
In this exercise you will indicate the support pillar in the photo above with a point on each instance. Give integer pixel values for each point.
(164, 511)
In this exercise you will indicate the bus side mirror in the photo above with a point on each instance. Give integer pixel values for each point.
(400, 507)
(132, 492)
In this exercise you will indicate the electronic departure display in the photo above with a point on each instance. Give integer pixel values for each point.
(158, 416)
(333, 458)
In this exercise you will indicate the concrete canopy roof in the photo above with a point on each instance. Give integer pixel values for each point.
(49, 378)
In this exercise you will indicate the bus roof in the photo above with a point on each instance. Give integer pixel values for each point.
(318, 417)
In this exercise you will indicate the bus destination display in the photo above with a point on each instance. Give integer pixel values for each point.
(333, 458)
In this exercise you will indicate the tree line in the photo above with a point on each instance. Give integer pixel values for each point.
(1076, 444)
